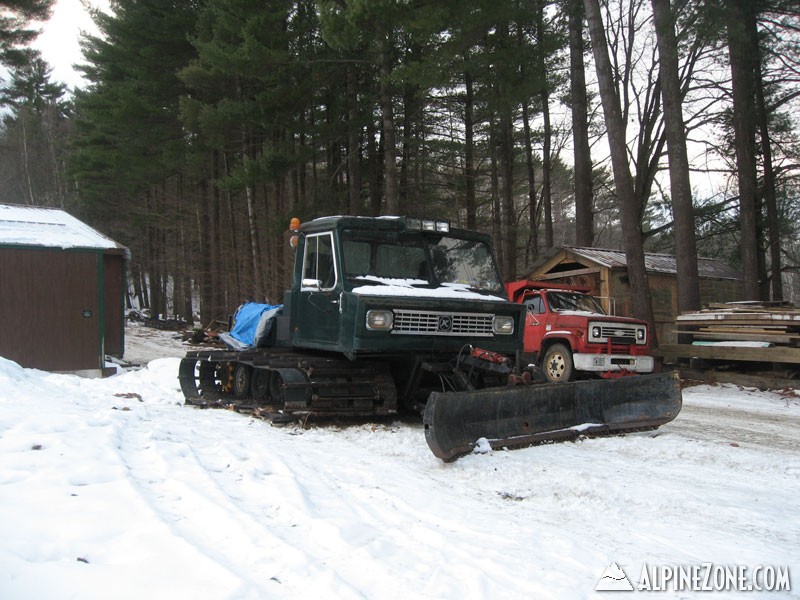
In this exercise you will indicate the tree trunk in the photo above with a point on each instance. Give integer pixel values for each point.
(629, 209)
(508, 214)
(23, 117)
(255, 246)
(389, 144)
(469, 153)
(495, 186)
(532, 249)
(769, 193)
(547, 135)
(584, 216)
(680, 185)
(374, 169)
(547, 196)
(218, 261)
(230, 261)
(353, 142)
(742, 60)
(203, 275)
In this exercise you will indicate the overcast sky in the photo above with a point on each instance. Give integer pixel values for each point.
(58, 41)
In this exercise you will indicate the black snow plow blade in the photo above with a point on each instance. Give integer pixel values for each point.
(525, 415)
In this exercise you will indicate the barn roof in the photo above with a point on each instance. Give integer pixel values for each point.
(50, 228)
(656, 263)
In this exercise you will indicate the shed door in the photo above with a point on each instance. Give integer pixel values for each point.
(49, 306)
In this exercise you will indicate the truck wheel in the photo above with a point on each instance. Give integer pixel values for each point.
(557, 364)
(241, 381)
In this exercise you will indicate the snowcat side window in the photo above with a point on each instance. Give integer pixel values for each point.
(319, 264)
(357, 257)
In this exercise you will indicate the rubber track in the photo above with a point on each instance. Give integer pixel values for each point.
(322, 385)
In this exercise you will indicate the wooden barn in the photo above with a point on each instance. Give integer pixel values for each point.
(61, 292)
(605, 273)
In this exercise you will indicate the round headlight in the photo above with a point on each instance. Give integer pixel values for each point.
(595, 332)
(380, 320)
(503, 325)
(640, 334)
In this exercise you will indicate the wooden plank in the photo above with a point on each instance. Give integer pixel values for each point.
(753, 305)
(738, 330)
(753, 330)
(779, 354)
(742, 337)
(562, 274)
(738, 317)
(793, 326)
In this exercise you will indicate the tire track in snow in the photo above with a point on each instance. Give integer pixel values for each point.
(417, 504)
(265, 500)
(740, 426)
(169, 467)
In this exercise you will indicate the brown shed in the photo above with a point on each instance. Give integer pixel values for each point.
(605, 272)
(61, 291)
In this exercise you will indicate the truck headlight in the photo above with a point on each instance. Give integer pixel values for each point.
(640, 335)
(503, 325)
(380, 320)
(595, 333)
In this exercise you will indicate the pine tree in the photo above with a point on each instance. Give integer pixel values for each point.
(129, 150)
(33, 131)
(15, 28)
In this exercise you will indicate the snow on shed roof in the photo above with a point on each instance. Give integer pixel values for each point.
(48, 227)
(656, 263)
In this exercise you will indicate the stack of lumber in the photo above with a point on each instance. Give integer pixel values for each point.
(740, 331)
(777, 324)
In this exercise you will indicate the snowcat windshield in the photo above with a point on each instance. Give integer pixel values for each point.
(466, 262)
(446, 260)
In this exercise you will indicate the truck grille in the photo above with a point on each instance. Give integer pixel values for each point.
(412, 322)
(608, 331)
(618, 333)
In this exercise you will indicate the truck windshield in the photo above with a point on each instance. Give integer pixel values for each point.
(373, 257)
(573, 301)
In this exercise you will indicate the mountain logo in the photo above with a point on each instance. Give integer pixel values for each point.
(613, 580)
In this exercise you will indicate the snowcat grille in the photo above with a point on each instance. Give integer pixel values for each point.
(411, 322)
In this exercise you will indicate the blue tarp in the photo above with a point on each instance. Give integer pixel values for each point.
(253, 321)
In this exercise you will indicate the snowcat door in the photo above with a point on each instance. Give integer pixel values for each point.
(317, 323)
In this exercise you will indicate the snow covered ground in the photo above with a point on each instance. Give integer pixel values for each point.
(112, 489)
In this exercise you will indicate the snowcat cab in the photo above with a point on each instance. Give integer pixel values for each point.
(398, 288)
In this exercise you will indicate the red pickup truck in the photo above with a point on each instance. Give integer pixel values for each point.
(567, 332)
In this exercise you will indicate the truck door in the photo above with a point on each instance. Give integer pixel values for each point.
(534, 322)
(318, 307)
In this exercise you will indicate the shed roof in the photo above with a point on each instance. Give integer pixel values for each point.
(50, 228)
(656, 263)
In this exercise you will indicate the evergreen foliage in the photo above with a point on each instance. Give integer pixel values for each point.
(16, 32)
(205, 125)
